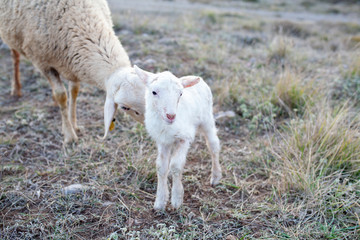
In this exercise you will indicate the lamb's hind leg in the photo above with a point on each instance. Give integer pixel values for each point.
(60, 96)
(74, 90)
(15, 84)
(177, 163)
(213, 143)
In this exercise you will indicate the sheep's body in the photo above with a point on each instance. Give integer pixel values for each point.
(75, 37)
(174, 110)
(69, 38)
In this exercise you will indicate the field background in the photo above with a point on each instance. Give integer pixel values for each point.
(290, 70)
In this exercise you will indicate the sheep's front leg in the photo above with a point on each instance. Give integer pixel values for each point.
(74, 90)
(15, 84)
(60, 96)
(162, 168)
(176, 167)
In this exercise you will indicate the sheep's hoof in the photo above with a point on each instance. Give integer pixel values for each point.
(79, 129)
(70, 138)
(16, 93)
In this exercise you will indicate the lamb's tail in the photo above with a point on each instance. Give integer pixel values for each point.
(222, 114)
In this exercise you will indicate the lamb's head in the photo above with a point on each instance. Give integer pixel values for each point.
(163, 92)
(126, 91)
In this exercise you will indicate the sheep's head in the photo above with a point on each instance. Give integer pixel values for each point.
(126, 91)
(164, 90)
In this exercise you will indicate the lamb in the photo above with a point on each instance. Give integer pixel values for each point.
(174, 109)
(72, 39)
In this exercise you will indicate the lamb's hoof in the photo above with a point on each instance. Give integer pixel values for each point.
(176, 204)
(177, 198)
(215, 180)
(158, 206)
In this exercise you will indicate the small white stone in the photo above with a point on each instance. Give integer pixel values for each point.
(108, 203)
(38, 193)
(74, 188)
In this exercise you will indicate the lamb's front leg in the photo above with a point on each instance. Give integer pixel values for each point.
(162, 168)
(177, 163)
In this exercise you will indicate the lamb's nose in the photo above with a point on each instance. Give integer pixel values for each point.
(171, 116)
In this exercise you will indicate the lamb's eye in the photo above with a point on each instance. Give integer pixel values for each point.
(154, 93)
(180, 94)
(136, 113)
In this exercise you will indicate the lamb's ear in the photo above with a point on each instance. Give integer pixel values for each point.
(189, 81)
(143, 75)
(109, 112)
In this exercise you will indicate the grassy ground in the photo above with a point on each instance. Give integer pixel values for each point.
(290, 156)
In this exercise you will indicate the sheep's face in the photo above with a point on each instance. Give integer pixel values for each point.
(164, 91)
(124, 90)
(130, 97)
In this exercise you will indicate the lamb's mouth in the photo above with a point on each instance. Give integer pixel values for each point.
(168, 121)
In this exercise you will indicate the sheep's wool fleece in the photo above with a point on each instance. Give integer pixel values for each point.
(75, 37)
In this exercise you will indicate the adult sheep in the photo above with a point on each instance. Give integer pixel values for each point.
(72, 39)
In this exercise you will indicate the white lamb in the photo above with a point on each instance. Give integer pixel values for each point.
(72, 39)
(174, 109)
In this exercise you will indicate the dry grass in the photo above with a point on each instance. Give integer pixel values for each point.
(290, 158)
(280, 48)
(324, 144)
(318, 162)
(354, 68)
(347, 86)
(292, 94)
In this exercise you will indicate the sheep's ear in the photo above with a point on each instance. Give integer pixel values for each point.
(143, 75)
(189, 81)
(109, 112)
